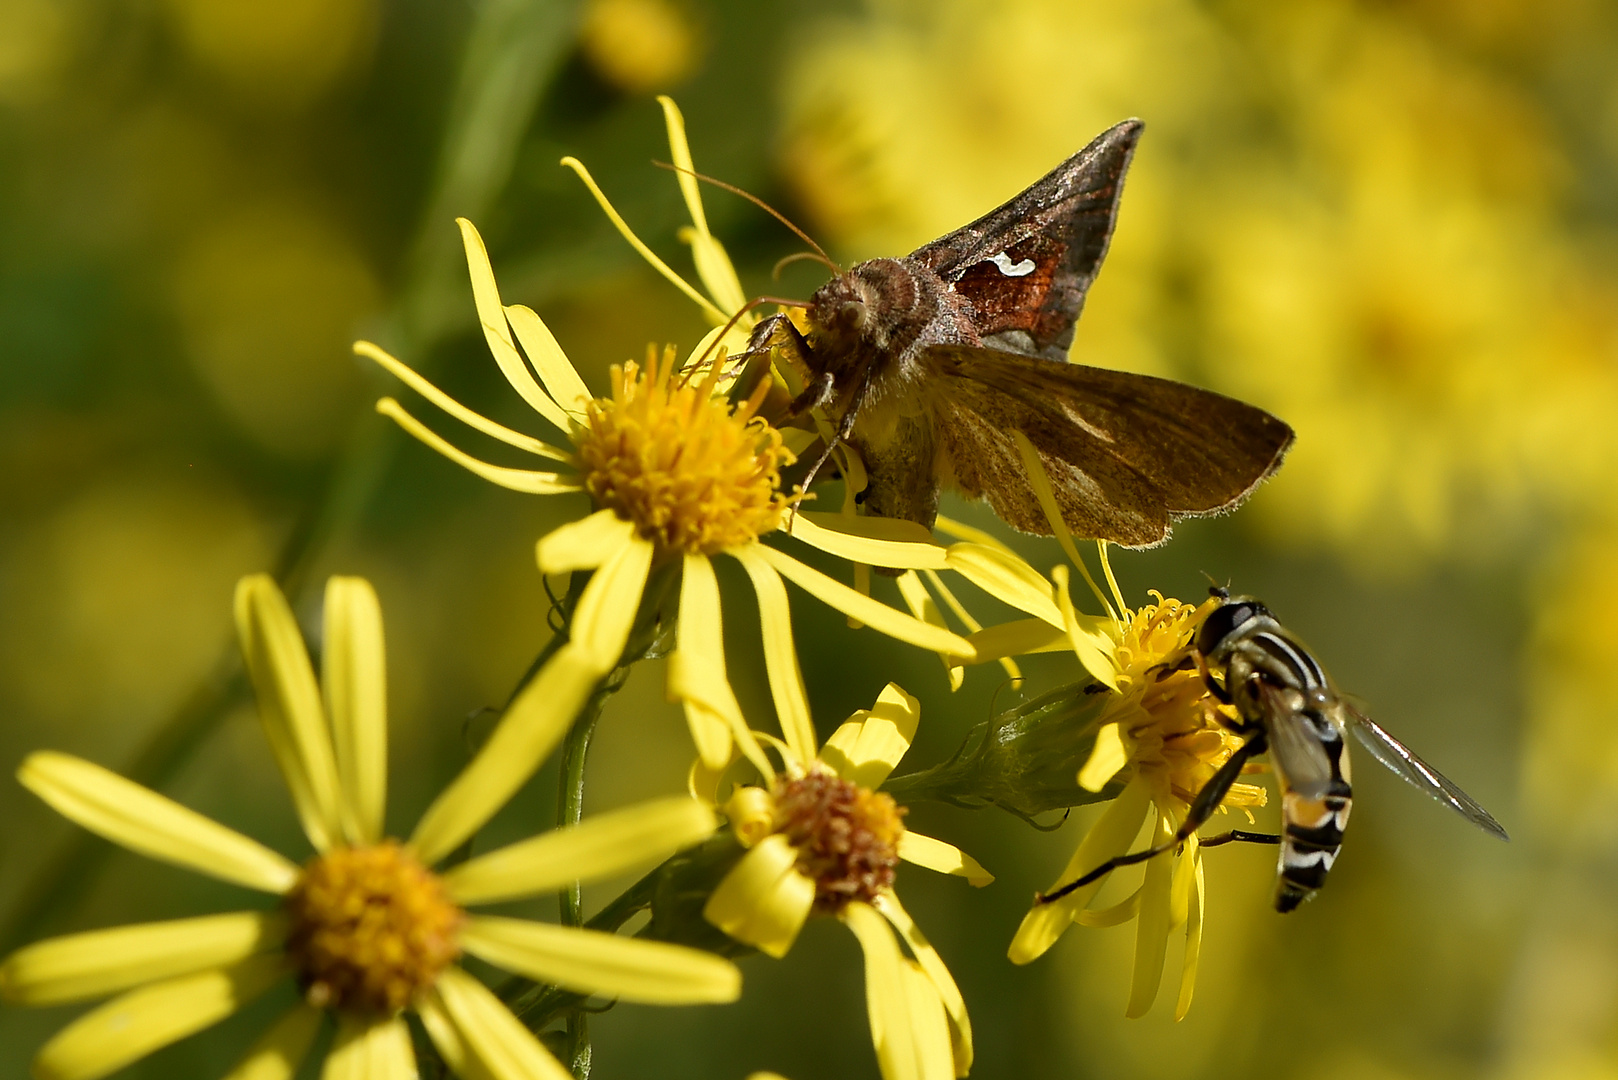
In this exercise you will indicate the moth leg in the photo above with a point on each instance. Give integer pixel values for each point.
(1202, 808)
(1240, 836)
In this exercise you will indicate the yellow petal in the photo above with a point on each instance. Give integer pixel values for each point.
(533, 724)
(1152, 928)
(591, 962)
(1089, 635)
(1107, 756)
(713, 265)
(943, 984)
(972, 626)
(370, 1048)
(527, 481)
(645, 252)
(780, 655)
(486, 294)
(867, 747)
(79, 967)
(1006, 577)
(1193, 948)
(289, 706)
(597, 847)
(696, 669)
(356, 685)
(1111, 835)
(921, 605)
(607, 610)
(887, 994)
(763, 901)
(447, 1040)
(584, 544)
(875, 541)
(945, 858)
(929, 1027)
(279, 1052)
(488, 1033)
(962, 531)
(128, 1028)
(878, 616)
(144, 821)
(550, 363)
(1119, 913)
(477, 421)
(1018, 638)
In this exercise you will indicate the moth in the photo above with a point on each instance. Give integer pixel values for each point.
(1287, 705)
(927, 364)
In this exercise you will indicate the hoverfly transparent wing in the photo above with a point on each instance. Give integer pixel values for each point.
(1296, 751)
(1404, 764)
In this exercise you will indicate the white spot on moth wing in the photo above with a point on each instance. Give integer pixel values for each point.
(1003, 262)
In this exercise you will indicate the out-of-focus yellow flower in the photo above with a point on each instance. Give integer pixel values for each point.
(640, 45)
(821, 839)
(365, 928)
(268, 297)
(676, 474)
(281, 55)
(1160, 732)
(37, 39)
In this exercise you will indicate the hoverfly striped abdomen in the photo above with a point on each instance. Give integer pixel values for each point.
(1284, 697)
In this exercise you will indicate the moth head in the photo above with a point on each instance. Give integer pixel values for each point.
(842, 306)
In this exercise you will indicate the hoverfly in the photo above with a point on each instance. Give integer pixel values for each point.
(1286, 704)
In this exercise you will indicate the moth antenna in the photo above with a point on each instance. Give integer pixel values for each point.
(800, 256)
(734, 319)
(761, 204)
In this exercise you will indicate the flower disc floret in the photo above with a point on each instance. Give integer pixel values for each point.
(370, 929)
(846, 836)
(692, 473)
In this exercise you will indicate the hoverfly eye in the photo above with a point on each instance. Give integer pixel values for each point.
(1221, 623)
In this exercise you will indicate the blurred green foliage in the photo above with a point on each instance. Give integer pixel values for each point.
(1394, 224)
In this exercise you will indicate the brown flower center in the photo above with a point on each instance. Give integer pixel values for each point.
(371, 928)
(847, 836)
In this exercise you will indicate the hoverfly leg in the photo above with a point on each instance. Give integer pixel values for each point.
(1215, 687)
(1201, 809)
(1239, 836)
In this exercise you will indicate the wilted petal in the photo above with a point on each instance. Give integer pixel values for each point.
(536, 721)
(599, 846)
(356, 685)
(79, 967)
(592, 962)
(486, 1033)
(128, 1028)
(944, 858)
(764, 900)
(289, 705)
(867, 747)
(143, 821)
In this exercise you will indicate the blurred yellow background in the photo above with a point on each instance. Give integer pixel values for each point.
(1393, 224)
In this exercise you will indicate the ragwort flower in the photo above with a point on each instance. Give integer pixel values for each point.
(821, 839)
(1160, 732)
(677, 473)
(365, 928)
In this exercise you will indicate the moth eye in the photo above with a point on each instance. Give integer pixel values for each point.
(853, 315)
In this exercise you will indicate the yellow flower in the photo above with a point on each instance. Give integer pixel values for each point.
(677, 475)
(1160, 733)
(365, 928)
(821, 839)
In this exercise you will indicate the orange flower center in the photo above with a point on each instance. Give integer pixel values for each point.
(371, 928)
(847, 836)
